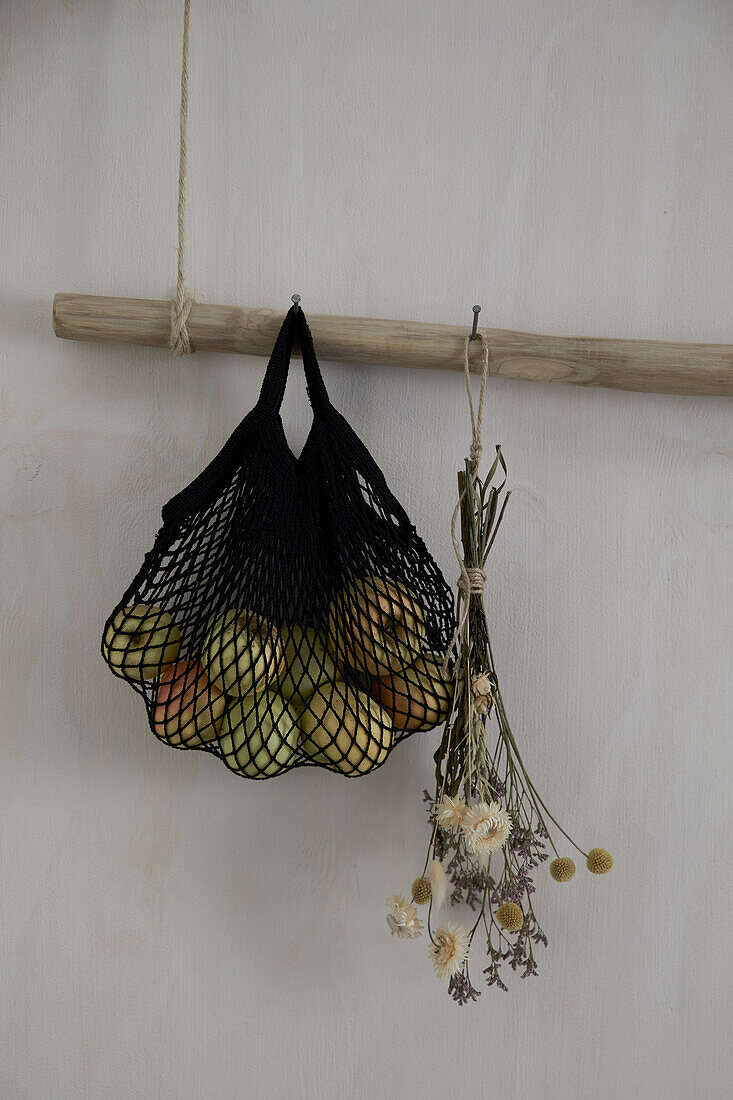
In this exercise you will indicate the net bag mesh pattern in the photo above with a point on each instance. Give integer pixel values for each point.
(288, 612)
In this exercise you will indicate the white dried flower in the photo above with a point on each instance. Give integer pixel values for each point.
(450, 949)
(450, 813)
(438, 883)
(402, 918)
(485, 827)
(483, 694)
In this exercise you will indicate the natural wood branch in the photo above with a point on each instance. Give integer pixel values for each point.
(647, 365)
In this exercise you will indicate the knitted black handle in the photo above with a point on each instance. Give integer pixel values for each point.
(276, 376)
(209, 482)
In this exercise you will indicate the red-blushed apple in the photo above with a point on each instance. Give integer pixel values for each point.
(375, 626)
(416, 698)
(188, 708)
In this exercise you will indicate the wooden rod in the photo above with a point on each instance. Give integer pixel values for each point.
(643, 365)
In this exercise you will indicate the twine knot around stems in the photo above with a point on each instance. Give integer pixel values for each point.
(472, 581)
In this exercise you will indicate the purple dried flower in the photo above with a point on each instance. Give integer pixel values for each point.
(460, 988)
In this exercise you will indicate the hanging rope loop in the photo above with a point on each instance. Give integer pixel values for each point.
(476, 417)
(180, 341)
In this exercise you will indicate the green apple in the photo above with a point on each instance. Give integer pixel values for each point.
(140, 642)
(344, 729)
(242, 651)
(259, 735)
(307, 664)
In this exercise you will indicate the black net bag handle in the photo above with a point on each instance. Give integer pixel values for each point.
(288, 612)
(267, 408)
(276, 375)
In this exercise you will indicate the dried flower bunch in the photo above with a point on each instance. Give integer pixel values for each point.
(490, 827)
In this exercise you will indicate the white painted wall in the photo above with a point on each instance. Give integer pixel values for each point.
(170, 931)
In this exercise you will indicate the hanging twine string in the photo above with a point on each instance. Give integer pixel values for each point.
(472, 579)
(179, 341)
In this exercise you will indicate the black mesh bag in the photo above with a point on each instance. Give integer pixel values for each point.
(288, 613)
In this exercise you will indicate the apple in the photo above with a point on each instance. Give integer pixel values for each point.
(188, 708)
(344, 729)
(140, 642)
(307, 664)
(242, 651)
(418, 697)
(259, 735)
(376, 626)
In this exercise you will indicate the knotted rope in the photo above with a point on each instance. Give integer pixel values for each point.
(179, 341)
(472, 579)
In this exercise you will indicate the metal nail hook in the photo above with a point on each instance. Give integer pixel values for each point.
(476, 311)
(296, 302)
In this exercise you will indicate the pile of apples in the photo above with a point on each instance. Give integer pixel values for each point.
(266, 694)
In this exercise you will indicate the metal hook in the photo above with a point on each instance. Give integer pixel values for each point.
(296, 302)
(476, 311)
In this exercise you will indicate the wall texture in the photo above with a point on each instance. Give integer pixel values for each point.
(169, 931)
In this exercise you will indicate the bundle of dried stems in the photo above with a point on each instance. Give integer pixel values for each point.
(491, 828)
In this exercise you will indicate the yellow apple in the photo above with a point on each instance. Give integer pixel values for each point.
(242, 651)
(418, 697)
(259, 735)
(140, 642)
(376, 626)
(307, 664)
(344, 729)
